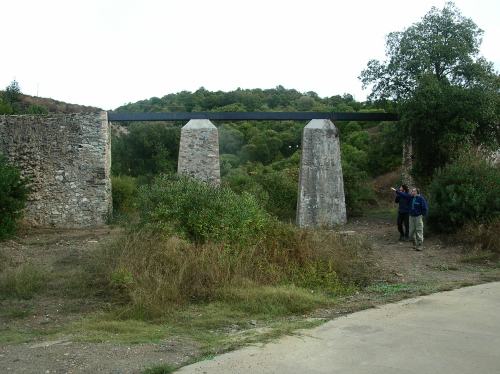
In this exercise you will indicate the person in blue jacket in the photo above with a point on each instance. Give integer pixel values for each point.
(403, 213)
(418, 210)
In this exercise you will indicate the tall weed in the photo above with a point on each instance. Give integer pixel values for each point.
(22, 282)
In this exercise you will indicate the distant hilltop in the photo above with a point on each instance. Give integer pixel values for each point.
(52, 106)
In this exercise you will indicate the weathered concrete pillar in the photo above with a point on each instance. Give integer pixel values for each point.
(321, 201)
(407, 164)
(199, 151)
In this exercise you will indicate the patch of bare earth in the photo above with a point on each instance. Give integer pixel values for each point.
(66, 356)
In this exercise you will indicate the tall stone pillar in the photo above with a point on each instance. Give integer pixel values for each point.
(407, 164)
(321, 201)
(199, 151)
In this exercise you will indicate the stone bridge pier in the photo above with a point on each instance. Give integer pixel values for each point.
(320, 202)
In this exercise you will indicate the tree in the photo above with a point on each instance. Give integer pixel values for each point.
(12, 92)
(446, 94)
(443, 44)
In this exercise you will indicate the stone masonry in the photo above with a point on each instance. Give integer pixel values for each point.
(199, 151)
(321, 201)
(67, 159)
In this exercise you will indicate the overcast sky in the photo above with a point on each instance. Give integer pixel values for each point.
(106, 53)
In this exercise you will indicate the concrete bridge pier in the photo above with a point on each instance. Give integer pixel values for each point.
(199, 151)
(321, 201)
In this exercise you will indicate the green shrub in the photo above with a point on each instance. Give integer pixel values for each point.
(13, 195)
(281, 188)
(357, 189)
(200, 212)
(5, 107)
(37, 109)
(124, 193)
(465, 191)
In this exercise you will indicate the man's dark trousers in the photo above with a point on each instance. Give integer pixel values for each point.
(403, 219)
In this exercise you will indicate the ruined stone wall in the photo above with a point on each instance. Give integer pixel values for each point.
(67, 158)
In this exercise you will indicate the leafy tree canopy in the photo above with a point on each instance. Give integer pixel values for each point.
(447, 95)
(443, 44)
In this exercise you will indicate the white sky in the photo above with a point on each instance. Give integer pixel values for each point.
(106, 53)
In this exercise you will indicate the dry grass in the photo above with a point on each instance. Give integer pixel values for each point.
(481, 241)
(150, 273)
(22, 282)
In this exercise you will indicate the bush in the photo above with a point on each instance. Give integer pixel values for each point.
(465, 191)
(200, 212)
(281, 188)
(13, 195)
(124, 190)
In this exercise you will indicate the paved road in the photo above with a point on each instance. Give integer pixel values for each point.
(449, 332)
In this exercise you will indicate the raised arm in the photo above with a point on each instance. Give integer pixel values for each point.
(402, 194)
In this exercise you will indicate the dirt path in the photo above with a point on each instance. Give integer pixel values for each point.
(404, 273)
(440, 262)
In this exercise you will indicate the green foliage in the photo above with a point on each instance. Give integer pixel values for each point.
(275, 186)
(443, 44)
(5, 107)
(356, 182)
(465, 191)
(147, 150)
(12, 93)
(230, 139)
(386, 148)
(200, 212)
(124, 190)
(281, 189)
(443, 118)
(37, 109)
(13, 195)
(447, 95)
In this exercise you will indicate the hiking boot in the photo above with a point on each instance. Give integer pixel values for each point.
(419, 247)
(401, 238)
(406, 239)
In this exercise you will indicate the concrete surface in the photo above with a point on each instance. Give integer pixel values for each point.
(448, 332)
